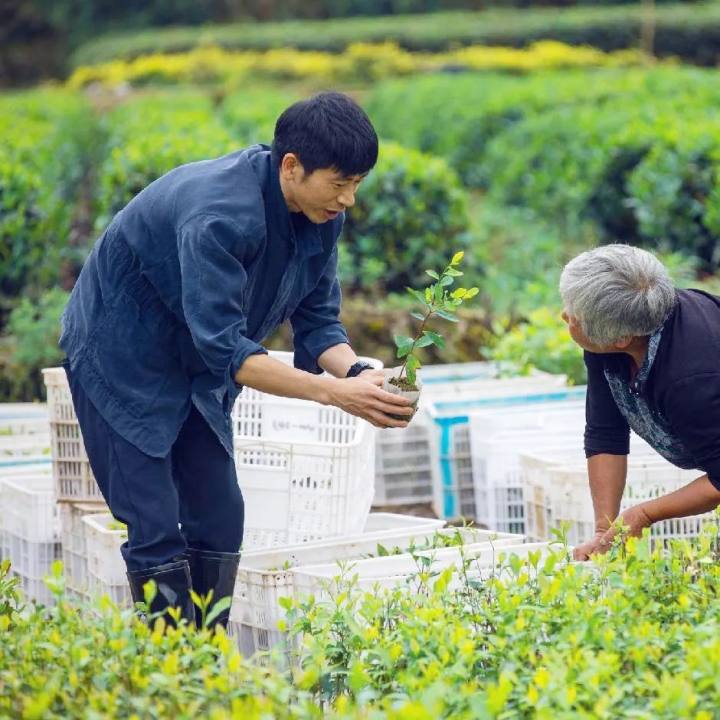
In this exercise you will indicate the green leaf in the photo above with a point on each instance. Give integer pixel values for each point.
(471, 293)
(457, 258)
(437, 340)
(218, 607)
(453, 272)
(424, 341)
(419, 296)
(433, 274)
(404, 345)
(446, 280)
(412, 365)
(446, 315)
(417, 315)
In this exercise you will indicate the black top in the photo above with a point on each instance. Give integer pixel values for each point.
(682, 387)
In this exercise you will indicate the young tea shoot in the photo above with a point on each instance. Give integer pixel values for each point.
(437, 300)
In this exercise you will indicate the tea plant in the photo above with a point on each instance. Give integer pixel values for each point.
(436, 300)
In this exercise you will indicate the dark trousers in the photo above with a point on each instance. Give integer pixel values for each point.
(190, 498)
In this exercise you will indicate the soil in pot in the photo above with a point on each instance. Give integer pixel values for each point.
(402, 386)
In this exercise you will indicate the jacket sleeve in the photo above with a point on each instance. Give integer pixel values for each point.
(606, 429)
(692, 407)
(316, 320)
(212, 255)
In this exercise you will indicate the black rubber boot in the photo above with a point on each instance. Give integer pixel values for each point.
(173, 588)
(214, 571)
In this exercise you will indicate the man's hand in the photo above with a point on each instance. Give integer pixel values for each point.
(362, 397)
(376, 377)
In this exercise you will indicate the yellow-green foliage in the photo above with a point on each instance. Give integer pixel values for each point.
(639, 637)
(359, 62)
(543, 342)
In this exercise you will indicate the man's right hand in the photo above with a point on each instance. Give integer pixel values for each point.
(362, 397)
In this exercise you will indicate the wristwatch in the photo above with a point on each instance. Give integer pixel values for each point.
(358, 367)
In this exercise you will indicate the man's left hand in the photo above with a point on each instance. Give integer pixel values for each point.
(376, 377)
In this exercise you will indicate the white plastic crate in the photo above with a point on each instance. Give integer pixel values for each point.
(306, 470)
(74, 480)
(402, 470)
(31, 562)
(264, 576)
(453, 486)
(646, 479)
(28, 509)
(106, 567)
(497, 437)
(16, 467)
(23, 419)
(74, 544)
(36, 589)
(397, 570)
(558, 491)
(404, 466)
(36, 445)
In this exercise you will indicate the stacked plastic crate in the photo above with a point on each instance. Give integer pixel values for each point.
(499, 436)
(403, 471)
(30, 531)
(24, 439)
(265, 575)
(28, 517)
(559, 493)
(76, 491)
(448, 422)
(306, 470)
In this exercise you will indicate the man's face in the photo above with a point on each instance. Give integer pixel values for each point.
(321, 195)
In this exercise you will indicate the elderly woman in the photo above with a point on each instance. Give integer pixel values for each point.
(653, 360)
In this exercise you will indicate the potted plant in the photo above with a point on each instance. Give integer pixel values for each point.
(437, 300)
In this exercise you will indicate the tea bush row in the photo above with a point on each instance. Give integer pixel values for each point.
(44, 136)
(631, 155)
(408, 211)
(358, 63)
(637, 636)
(691, 33)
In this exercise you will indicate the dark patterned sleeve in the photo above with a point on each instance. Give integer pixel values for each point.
(606, 430)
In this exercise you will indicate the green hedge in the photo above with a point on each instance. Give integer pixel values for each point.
(250, 114)
(29, 344)
(692, 34)
(46, 139)
(539, 638)
(410, 213)
(626, 156)
(150, 135)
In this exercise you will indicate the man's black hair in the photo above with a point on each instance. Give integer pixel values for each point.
(328, 130)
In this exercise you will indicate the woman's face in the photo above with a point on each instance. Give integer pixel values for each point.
(577, 334)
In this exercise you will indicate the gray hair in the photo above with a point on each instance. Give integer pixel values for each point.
(615, 292)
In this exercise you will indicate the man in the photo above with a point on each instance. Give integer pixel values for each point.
(651, 353)
(165, 323)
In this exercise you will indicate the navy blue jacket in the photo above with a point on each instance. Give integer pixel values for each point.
(186, 282)
(683, 386)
